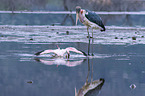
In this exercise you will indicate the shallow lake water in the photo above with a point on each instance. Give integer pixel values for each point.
(118, 59)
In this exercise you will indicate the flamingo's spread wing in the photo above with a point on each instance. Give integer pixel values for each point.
(75, 50)
(45, 52)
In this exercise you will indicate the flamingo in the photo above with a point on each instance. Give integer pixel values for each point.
(60, 52)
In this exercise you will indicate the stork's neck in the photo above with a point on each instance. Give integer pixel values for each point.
(81, 18)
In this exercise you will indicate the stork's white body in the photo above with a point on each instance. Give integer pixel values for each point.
(86, 22)
(89, 19)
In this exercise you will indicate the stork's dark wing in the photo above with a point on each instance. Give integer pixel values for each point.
(95, 18)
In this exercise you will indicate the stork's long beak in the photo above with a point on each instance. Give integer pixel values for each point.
(77, 17)
(78, 8)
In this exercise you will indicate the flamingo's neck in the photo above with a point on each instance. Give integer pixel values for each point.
(58, 47)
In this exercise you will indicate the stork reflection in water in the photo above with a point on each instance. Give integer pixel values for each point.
(92, 88)
(89, 19)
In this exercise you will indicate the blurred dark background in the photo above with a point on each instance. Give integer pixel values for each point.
(69, 5)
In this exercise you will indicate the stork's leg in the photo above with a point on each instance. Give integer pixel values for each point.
(92, 72)
(88, 32)
(89, 41)
(89, 48)
(92, 43)
(88, 71)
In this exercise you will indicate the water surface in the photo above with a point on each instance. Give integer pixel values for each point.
(120, 62)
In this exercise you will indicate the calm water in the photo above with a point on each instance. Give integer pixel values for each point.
(120, 62)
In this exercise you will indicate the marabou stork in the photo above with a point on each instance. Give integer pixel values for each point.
(89, 19)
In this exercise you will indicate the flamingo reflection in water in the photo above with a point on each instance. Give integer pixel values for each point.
(61, 52)
(60, 61)
(92, 88)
